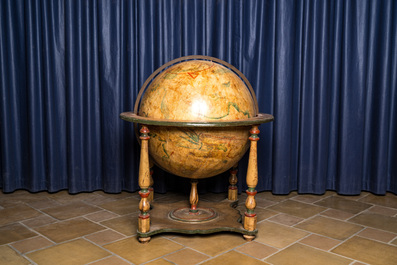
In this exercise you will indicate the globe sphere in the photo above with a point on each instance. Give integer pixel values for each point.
(197, 90)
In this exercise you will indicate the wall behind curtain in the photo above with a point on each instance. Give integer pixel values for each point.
(327, 71)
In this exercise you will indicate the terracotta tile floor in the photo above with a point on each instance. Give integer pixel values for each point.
(99, 228)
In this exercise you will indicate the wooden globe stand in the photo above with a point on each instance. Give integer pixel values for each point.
(216, 131)
(193, 219)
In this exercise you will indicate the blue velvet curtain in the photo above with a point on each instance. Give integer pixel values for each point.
(327, 71)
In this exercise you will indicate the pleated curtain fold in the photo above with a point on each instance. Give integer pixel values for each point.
(326, 70)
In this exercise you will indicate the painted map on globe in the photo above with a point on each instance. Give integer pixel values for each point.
(190, 91)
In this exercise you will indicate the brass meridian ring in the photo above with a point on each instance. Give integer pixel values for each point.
(195, 57)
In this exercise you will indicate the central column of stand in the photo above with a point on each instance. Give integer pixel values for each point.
(193, 214)
(193, 197)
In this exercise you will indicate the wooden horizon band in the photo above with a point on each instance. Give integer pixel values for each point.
(144, 184)
(233, 192)
(250, 218)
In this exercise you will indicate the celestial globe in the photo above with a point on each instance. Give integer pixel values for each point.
(197, 90)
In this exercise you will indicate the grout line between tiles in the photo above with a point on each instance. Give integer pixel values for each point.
(164, 255)
(113, 255)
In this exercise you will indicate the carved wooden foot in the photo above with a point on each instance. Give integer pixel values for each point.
(248, 238)
(144, 240)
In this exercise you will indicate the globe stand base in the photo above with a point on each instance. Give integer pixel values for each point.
(212, 217)
(196, 216)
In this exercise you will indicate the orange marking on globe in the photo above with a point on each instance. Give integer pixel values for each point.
(193, 74)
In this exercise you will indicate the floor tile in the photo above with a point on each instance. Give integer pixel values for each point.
(67, 230)
(302, 210)
(383, 210)
(300, 254)
(286, 219)
(274, 197)
(31, 244)
(71, 210)
(113, 260)
(213, 244)
(10, 257)
(102, 198)
(320, 242)
(74, 252)
(368, 251)
(14, 232)
(101, 216)
(127, 225)
(234, 258)
(122, 207)
(17, 213)
(256, 250)
(342, 204)
(19, 197)
(262, 203)
(388, 200)
(137, 253)
(44, 203)
(104, 237)
(122, 195)
(186, 257)
(64, 197)
(308, 198)
(39, 221)
(376, 234)
(337, 214)
(329, 227)
(378, 221)
(277, 235)
(261, 214)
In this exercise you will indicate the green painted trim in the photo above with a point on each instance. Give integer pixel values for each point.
(258, 119)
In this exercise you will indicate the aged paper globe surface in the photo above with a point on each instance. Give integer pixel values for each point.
(197, 90)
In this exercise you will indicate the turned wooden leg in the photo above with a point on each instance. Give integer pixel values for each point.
(151, 190)
(144, 183)
(250, 218)
(193, 196)
(232, 194)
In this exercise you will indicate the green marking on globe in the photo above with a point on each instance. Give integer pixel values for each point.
(222, 147)
(236, 107)
(222, 71)
(155, 87)
(170, 76)
(226, 84)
